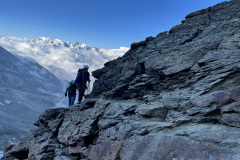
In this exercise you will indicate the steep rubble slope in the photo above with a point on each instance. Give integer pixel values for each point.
(26, 74)
(173, 96)
(26, 90)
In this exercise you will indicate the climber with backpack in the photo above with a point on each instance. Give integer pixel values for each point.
(71, 90)
(83, 77)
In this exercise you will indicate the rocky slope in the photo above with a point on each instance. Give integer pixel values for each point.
(26, 90)
(173, 96)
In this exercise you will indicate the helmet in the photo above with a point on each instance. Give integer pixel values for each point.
(72, 81)
(85, 67)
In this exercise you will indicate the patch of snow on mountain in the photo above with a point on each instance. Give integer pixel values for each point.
(7, 101)
(1, 154)
(1, 104)
(34, 73)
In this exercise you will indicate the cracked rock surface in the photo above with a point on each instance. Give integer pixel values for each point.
(173, 96)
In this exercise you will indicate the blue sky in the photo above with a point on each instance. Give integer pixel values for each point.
(98, 23)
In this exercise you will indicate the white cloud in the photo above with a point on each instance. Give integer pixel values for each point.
(61, 58)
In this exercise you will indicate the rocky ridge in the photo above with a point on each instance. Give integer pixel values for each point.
(173, 96)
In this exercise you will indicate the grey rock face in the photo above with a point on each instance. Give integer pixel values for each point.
(173, 96)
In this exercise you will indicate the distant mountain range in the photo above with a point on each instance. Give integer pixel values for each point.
(61, 57)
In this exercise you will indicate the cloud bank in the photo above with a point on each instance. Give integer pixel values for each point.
(60, 57)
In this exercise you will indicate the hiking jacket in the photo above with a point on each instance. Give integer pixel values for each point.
(71, 89)
(82, 78)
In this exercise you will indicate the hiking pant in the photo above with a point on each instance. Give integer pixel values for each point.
(81, 91)
(71, 99)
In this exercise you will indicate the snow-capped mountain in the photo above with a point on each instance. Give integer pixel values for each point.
(60, 57)
(26, 90)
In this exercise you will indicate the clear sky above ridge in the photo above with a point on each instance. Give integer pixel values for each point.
(98, 23)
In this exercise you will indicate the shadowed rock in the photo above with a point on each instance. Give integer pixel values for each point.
(173, 96)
